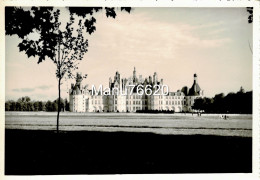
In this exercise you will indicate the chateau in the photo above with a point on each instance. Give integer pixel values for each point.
(85, 100)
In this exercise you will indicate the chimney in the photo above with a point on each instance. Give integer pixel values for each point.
(150, 79)
(161, 81)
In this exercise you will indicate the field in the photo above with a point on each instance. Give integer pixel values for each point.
(97, 143)
(236, 125)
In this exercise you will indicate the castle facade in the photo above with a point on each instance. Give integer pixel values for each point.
(132, 94)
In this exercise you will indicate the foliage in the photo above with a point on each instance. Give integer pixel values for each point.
(250, 17)
(240, 102)
(25, 104)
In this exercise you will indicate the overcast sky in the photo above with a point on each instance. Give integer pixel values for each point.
(174, 42)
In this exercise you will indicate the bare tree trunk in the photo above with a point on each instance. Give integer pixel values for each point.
(58, 115)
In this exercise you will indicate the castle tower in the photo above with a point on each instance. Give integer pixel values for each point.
(195, 89)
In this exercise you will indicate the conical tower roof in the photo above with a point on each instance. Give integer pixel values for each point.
(195, 89)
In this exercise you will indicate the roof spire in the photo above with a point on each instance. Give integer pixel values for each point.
(134, 73)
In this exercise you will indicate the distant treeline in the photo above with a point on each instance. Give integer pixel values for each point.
(235, 103)
(25, 104)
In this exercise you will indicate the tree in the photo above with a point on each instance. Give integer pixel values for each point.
(62, 104)
(30, 106)
(36, 106)
(67, 105)
(48, 106)
(198, 104)
(64, 47)
(12, 106)
(250, 17)
(240, 102)
(218, 102)
(250, 20)
(7, 106)
(18, 106)
(41, 106)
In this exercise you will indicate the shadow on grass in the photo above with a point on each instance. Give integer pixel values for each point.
(31, 152)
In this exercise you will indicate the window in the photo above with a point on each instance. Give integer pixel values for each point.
(115, 101)
(167, 102)
(133, 102)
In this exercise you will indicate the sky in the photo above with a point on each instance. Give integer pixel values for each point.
(174, 42)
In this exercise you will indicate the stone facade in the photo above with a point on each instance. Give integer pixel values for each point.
(85, 100)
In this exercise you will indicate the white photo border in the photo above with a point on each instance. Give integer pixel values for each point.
(142, 3)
